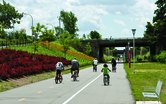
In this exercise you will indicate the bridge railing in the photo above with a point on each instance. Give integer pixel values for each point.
(123, 38)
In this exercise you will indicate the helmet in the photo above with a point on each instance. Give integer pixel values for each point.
(105, 65)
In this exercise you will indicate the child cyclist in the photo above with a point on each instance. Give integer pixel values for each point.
(106, 70)
(59, 67)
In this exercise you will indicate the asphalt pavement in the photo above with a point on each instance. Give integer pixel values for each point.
(89, 89)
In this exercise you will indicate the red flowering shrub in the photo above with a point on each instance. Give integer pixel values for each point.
(14, 64)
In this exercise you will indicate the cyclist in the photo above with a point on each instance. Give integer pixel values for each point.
(95, 61)
(106, 70)
(59, 67)
(113, 64)
(74, 66)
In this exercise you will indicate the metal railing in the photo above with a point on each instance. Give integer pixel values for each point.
(9, 43)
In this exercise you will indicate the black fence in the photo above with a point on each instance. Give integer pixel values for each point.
(9, 43)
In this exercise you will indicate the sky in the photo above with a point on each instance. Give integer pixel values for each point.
(111, 18)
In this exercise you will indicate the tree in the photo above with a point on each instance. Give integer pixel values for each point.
(47, 35)
(69, 21)
(150, 33)
(3, 34)
(8, 15)
(88, 48)
(160, 12)
(84, 37)
(37, 30)
(95, 35)
(58, 31)
(65, 40)
(155, 32)
(20, 35)
(159, 21)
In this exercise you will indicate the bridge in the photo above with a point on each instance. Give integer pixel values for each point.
(99, 45)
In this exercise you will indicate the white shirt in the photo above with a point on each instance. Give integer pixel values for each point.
(59, 66)
(95, 62)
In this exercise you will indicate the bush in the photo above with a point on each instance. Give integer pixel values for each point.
(15, 64)
(161, 57)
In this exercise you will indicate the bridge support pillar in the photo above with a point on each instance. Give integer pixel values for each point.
(101, 58)
(152, 52)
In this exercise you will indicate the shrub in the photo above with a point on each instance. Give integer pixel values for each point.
(15, 64)
(161, 57)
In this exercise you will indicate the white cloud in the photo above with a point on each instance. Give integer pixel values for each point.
(90, 15)
(120, 22)
(118, 12)
(106, 16)
(143, 11)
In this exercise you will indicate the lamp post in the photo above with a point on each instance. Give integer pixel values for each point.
(133, 31)
(31, 19)
(59, 31)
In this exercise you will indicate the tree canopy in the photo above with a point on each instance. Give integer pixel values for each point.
(155, 32)
(95, 35)
(9, 15)
(69, 21)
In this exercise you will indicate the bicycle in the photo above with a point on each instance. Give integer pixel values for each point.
(58, 79)
(106, 80)
(114, 69)
(75, 75)
(94, 68)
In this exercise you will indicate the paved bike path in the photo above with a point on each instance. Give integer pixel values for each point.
(89, 89)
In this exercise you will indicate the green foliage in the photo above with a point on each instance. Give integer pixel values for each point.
(69, 21)
(107, 58)
(160, 11)
(20, 35)
(75, 43)
(3, 34)
(47, 35)
(88, 48)
(65, 40)
(156, 32)
(160, 30)
(95, 35)
(161, 57)
(9, 15)
(58, 31)
(84, 37)
(149, 33)
(50, 52)
(37, 30)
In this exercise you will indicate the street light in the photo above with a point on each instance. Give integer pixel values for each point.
(31, 19)
(133, 31)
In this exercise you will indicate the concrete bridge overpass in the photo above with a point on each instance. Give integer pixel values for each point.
(99, 45)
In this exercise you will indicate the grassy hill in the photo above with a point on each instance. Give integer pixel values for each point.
(55, 50)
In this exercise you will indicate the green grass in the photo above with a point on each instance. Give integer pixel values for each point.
(50, 52)
(147, 74)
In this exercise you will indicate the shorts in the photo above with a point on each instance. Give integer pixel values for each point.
(73, 69)
(58, 72)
